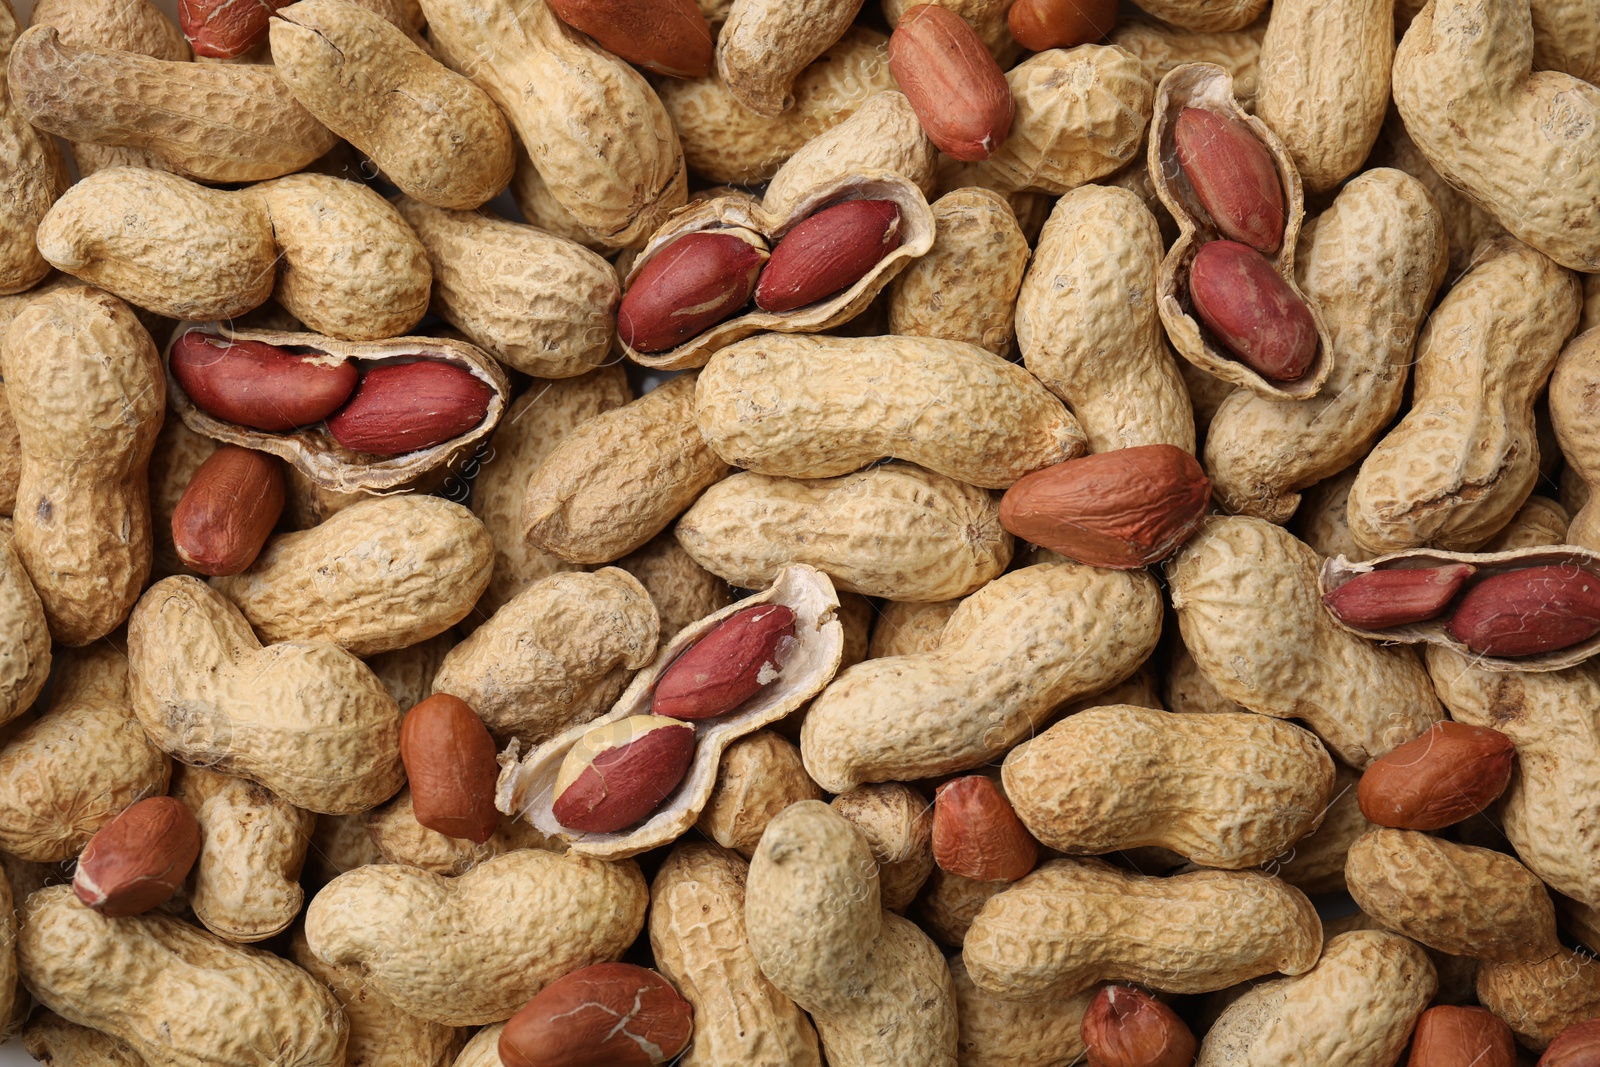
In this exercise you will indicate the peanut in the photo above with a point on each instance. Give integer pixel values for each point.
(1447, 1035)
(139, 859)
(574, 1021)
(1540, 1000)
(228, 511)
(956, 88)
(682, 590)
(1038, 25)
(999, 1032)
(51, 1039)
(965, 287)
(1252, 311)
(1529, 611)
(617, 774)
(25, 646)
(261, 386)
(759, 775)
(764, 45)
(1233, 176)
(976, 833)
(882, 134)
(1126, 1027)
(1380, 599)
(1452, 771)
(666, 36)
(450, 768)
(897, 824)
(410, 407)
(689, 286)
(35, 177)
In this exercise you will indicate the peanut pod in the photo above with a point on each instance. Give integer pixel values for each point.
(34, 177)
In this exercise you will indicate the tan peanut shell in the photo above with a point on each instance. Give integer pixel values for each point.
(875, 985)
(24, 634)
(84, 384)
(1539, 1000)
(10, 449)
(905, 628)
(484, 1048)
(916, 237)
(759, 775)
(80, 764)
(1088, 327)
(381, 1035)
(1357, 1006)
(479, 946)
(897, 823)
(1072, 923)
(1315, 863)
(1163, 47)
(105, 973)
(1205, 16)
(1339, 570)
(764, 44)
(1324, 73)
(324, 736)
(1550, 718)
(310, 504)
(527, 786)
(1323, 519)
(541, 209)
(531, 427)
(620, 478)
(1371, 263)
(1465, 457)
(381, 574)
(51, 1039)
(681, 589)
(1080, 114)
(1572, 410)
(131, 25)
(1566, 37)
(35, 175)
(948, 903)
(313, 451)
(339, 843)
(893, 531)
(820, 407)
(697, 934)
(1010, 655)
(723, 141)
(1459, 899)
(393, 831)
(163, 243)
(1229, 790)
(1250, 613)
(1210, 88)
(536, 302)
(217, 122)
(556, 655)
(434, 134)
(1539, 522)
(1043, 1031)
(1138, 689)
(882, 134)
(593, 126)
(1524, 146)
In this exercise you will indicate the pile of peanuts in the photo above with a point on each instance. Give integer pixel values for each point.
(771, 533)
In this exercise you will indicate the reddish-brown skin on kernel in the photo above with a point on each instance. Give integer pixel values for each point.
(1233, 175)
(669, 37)
(407, 407)
(1449, 773)
(727, 666)
(1122, 509)
(686, 288)
(223, 29)
(1576, 1046)
(1537, 609)
(976, 832)
(139, 859)
(450, 765)
(959, 93)
(1380, 599)
(1127, 1027)
(603, 1015)
(828, 252)
(228, 510)
(1241, 298)
(259, 385)
(1040, 24)
(1453, 1036)
(624, 784)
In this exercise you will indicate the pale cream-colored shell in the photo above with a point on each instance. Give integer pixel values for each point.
(1371, 263)
(540, 208)
(965, 287)
(163, 243)
(1539, 1000)
(1185, 690)
(1206, 16)
(393, 830)
(407, 673)
(882, 134)
(80, 764)
(1324, 76)
(51, 1039)
(1251, 614)
(897, 823)
(1072, 923)
(556, 655)
(948, 904)
(177, 454)
(1465, 457)
(1315, 863)
(381, 574)
(305, 719)
(484, 1048)
(175, 994)
(1138, 689)
(217, 122)
(381, 1035)
(1540, 521)
(893, 531)
(1163, 47)
(1550, 822)
(1229, 790)
(681, 589)
(1356, 1007)
(1459, 899)
(618, 479)
(594, 127)
(35, 175)
(475, 949)
(1573, 397)
(1591, 303)
(765, 44)
(1010, 655)
(1088, 327)
(875, 985)
(697, 935)
(528, 786)
(84, 384)
(339, 843)
(1080, 114)
(1323, 520)
(434, 134)
(1524, 146)
(986, 17)
(760, 774)
(10, 450)
(530, 429)
(1210, 88)
(1042, 1031)
(819, 407)
(906, 628)
(916, 224)
(1566, 37)
(24, 635)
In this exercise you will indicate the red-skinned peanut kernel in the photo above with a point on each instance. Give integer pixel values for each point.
(1240, 297)
(258, 385)
(1233, 175)
(139, 859)
(689, 286)
(1528, 611)
(959, 93)
(228, 510)
(1449, 773)
(1127, 1027)
(727, 666)
(976, 833)
(618, 773)
(1041, 24)
(1397, 596)
(828, 252)
(669, 37)
(603, 1015)
(450, 764)
(406, 407)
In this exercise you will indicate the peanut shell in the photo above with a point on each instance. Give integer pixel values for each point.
(393, 832)
(1205, 16)
(758, 776)
(763, 46)
(51, 1039)
(881, 134)
(24, 634)
(1539, 1000)
(1163, 47)
(1572, 400)
(682, 590)
(34, 177)
(897, 823)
